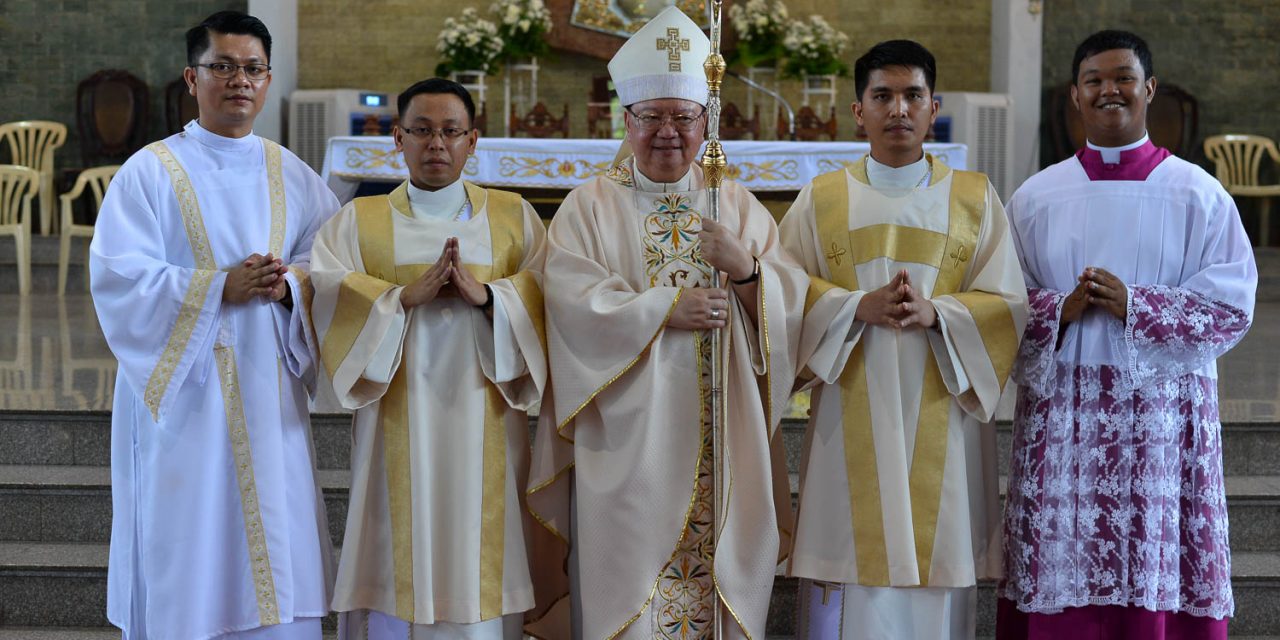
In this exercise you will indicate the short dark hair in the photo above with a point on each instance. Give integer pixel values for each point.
(229, 22)
(894, 53)
(1108, 40)
(437, 86)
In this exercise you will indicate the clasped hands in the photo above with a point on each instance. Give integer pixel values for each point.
(1098, 288)
(446, 278)
(896, 305)
(702, 308)
(258, 276)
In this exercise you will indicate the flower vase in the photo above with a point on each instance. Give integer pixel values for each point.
(766, 77)
(817, 87)
(519, 89)
(473, 80)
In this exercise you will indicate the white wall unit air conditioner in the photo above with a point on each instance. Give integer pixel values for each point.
(984, 122)
(315, 115)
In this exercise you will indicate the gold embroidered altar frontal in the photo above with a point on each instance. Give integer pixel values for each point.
(531, 163)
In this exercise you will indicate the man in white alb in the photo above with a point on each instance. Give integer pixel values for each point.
(198, 272)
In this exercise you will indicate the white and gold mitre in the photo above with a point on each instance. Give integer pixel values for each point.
(662, 60)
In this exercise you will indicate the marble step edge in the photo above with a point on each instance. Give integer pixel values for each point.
(330, 420)
(47, 558)
(1263, 490)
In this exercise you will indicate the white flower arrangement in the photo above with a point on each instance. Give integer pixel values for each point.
(761, 25)
(522, 25)
(468, 42)
(814, 48)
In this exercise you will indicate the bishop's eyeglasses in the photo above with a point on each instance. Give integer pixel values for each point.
(225, 70)
(652, 120)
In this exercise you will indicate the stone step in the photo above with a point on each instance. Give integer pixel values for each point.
(44, 265)
(67, 503)
(1268, 259)
(64, 585)
(84, 438)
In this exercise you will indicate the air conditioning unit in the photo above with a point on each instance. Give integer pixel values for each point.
(984, 123)
(315, 115)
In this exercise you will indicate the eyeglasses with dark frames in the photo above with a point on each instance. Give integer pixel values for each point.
(226, 71)
(427, 133)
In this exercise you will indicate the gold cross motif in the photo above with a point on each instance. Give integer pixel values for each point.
(673, 44)
(959, 254)
(835, 253)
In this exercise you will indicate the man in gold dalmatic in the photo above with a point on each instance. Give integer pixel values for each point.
(429, 316)
(911, 325)
(630, 307)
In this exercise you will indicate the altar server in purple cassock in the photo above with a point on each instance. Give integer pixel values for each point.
(1140, 276)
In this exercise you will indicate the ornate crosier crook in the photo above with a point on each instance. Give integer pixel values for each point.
(713, 167)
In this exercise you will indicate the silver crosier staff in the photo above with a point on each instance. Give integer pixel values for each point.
(713, 167)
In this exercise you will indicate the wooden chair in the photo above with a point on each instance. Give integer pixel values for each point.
(18, 184)
(1237, 159)
(735, 126)
(809, 127)
(539, 123)
(599, 108)
(482, 119)
(180, 107)
(31, 144)
(1173, 121)
(96, 180)
(111, 116)
(599, 120)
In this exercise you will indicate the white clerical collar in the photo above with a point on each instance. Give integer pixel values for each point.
(1111, 155)
(883, 176)
(446, 203)
(221, 143)
(645, 184)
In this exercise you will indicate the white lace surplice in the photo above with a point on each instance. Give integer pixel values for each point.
(1115, 493)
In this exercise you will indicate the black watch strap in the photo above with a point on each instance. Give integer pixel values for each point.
(488, 298)
(755, 274)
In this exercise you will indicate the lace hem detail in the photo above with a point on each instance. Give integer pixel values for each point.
(1117, 496)
(1036, 352)
(1173, 331)
(1058, 605)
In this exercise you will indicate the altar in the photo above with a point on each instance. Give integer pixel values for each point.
(766, 167)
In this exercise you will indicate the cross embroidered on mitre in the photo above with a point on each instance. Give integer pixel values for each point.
(673, 44)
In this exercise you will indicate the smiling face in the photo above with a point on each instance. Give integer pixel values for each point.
(664, 154)
(1112, 96)
(896, 109)
(435, 161)
(229, 106)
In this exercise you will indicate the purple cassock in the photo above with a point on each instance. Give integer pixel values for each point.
(1116, 516)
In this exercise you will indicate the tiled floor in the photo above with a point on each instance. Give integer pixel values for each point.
(53, 357)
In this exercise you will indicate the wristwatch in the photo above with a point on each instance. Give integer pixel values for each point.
(488, 298)
(755, 274)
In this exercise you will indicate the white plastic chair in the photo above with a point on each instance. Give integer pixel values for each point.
(96, 180)
(31, 144)
(18, 185)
